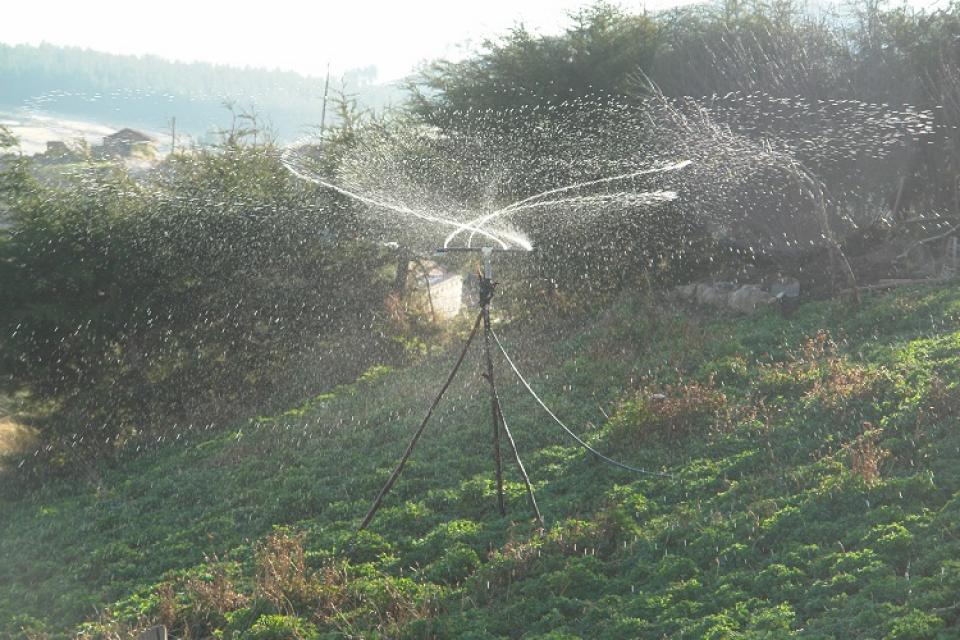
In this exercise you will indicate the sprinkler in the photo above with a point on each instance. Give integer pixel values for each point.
(487, 286)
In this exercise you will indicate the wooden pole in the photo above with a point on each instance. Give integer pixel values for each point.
(486, 294)
(433, 312)
(323, 110)
(416, 436)
(523, 472)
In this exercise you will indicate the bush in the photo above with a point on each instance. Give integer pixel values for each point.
(212, 291)
(279, 627)
(456, 563)
(916, 625)
(681, 411)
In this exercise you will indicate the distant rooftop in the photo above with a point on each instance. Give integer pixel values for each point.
(128, 135)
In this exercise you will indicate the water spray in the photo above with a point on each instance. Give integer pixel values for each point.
(486, 289)
(740, 167)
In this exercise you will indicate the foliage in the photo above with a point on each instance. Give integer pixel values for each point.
(210, 291)
(873, 52)
(793, 519)
(7, 139)
(276, 627)
(601, 51)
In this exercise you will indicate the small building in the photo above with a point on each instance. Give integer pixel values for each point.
(444, 290)
(127, 143)
(58, 149)
(446, 295)
(58, 152)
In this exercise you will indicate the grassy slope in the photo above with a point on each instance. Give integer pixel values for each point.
(774, 524)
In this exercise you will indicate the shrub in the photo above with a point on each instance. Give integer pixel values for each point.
(916, 625)
(279, 627)
(456, 563)
(680, 411)
(214, 291)
(282, 576)
(866, 455)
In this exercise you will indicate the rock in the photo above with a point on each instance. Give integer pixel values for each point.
(725, 286)
(748, 298)
(744, 299)
(785, 288)
(154, 633)
(686, 292)
(711, 295)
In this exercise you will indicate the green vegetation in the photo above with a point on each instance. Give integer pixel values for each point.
(814, 494)
(221, 364)
(123, 299)
(871, 51)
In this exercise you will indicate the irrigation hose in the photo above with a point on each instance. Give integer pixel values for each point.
(565, 427)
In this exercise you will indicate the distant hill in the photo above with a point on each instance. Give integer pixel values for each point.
(147, 91)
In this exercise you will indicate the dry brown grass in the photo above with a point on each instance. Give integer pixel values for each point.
(843, 382)
(676, 412)
(283, 578)
(866, 455)
(212, 598)
(817, 372)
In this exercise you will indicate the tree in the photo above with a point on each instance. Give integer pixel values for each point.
(600, 52)
(222, 286)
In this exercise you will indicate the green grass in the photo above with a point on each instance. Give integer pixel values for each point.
(816, 493)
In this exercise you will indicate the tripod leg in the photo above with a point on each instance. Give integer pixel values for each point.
(498, 469)
(416, 436)
(523, 472)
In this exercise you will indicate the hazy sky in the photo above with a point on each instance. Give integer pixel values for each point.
(299, 35)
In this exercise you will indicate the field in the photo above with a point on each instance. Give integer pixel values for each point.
(812, 492)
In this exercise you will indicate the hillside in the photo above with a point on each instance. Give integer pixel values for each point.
(813, 492)
(66, 84)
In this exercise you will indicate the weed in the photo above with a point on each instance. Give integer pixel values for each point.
(282, 577)
(941, 401)
(679, 412)
(866, 455)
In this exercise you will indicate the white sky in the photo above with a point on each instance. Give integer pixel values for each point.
(297, 35)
